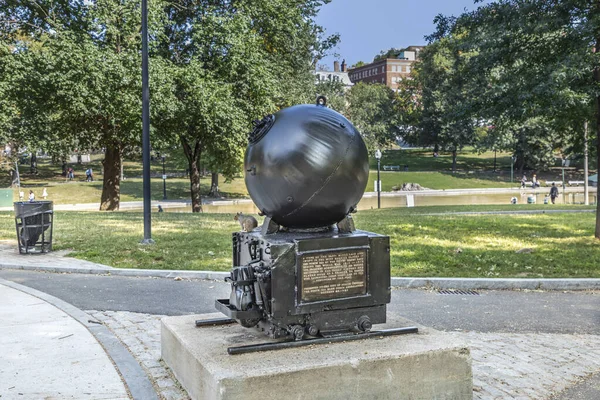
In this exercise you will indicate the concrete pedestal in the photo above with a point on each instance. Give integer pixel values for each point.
(427, 365)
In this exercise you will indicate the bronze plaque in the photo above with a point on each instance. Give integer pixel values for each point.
(333, 274)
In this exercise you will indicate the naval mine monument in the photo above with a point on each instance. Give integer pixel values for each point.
(310, 285)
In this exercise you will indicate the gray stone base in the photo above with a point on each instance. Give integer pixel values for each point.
(427, 365)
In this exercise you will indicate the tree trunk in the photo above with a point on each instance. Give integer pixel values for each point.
(521, 162)
(111, 183)
(454, 161)
(193, 157)
(214, 185)
(33, 168)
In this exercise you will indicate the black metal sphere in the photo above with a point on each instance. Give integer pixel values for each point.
(306, 166)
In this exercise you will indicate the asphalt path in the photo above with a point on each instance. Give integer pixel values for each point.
(490, 311)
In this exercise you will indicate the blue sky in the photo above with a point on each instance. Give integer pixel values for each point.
(368, 26)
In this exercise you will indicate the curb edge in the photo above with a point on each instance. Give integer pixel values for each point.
(396, 282)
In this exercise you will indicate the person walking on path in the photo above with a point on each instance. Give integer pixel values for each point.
(553, 193)
(44, 194)
(31, 196)
(534, 182)
(89, 175)
(523, 182)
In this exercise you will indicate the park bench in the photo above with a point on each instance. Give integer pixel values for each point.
(557, 183)
(391, 168)
(576, 183)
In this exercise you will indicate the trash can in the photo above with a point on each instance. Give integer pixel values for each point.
(33, 221)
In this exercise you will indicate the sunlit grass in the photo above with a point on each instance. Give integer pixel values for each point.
(437, 180)
(474, 171)
(80, 192)
(557, 245)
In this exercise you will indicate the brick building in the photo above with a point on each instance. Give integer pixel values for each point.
(388, 71)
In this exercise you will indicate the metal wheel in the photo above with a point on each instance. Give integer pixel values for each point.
(297, 332)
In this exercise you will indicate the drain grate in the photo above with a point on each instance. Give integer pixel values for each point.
(458, 291)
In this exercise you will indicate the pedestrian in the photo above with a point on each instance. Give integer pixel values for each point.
(89, 175)
(31, 196)
(534, 182)
(553, 193)
(523, 182)
(44, 194)
(71, 173)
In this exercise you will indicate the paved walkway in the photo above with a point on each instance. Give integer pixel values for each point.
(137, 205)
(505, 365)
(46, 346)
(46, 354)
(10, 258)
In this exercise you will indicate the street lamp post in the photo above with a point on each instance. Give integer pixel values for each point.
(164, 176)
(146, 128)
(378, 157)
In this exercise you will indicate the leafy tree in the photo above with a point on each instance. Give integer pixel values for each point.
(231, 63)
(444, 119)
(532, 70)
(371, 108)
(85, 77)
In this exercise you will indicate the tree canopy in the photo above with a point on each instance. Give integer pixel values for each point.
(371, 108)
(516, 75)
(71, 75)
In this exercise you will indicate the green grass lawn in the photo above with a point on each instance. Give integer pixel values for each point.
(474, 170)
(437, 180)
(422, 245)
(78, 190)
(423, 160)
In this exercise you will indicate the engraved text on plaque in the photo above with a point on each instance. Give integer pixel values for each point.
(333, 274)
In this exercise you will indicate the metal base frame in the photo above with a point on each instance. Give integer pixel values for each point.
(288, 344)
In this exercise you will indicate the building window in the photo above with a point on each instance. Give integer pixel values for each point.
(403, 68)
(408, 68)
